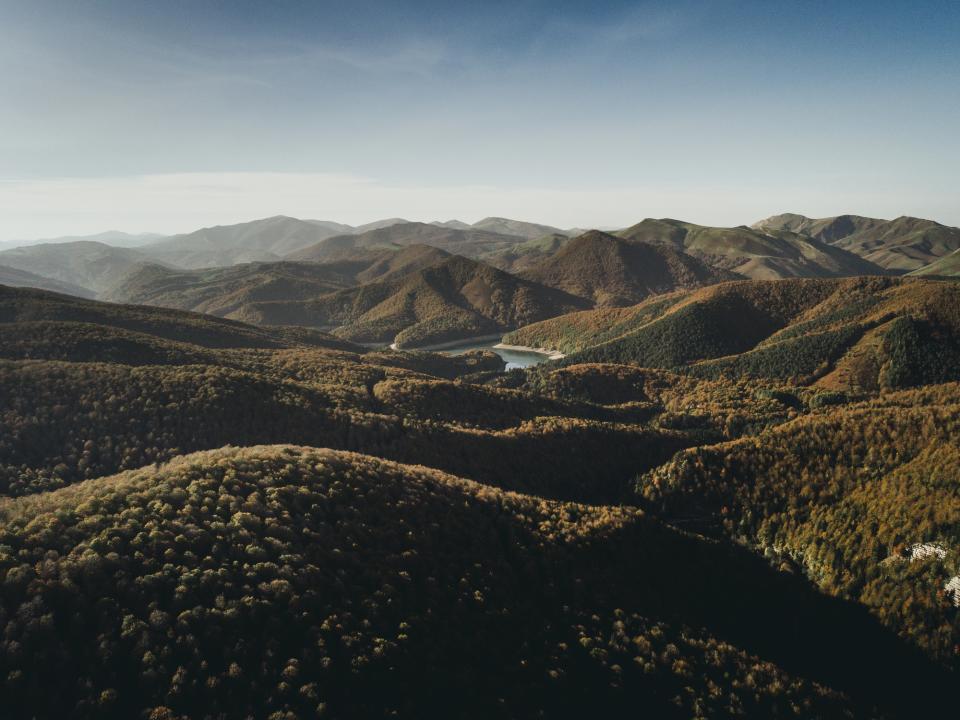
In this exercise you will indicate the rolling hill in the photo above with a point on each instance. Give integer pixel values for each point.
(331, 583)
(226, 292)
(900, 246)
(829, 230)
(454, 299)
(904, 244)
(859, 333)
(21, 278)
(110, 237)
(223, 291)
(261, 240)
(946, 266)
(93, 266)
(756, 254)
(526, 230)
(610, 271)
(525, 255)
(469, 243)
(21, 306)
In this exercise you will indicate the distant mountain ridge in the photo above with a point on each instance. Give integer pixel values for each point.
(13, 277)
(756, 254)
(93, 266)
(469, 243)
(830, 229)
(786, 245)
(902, 245)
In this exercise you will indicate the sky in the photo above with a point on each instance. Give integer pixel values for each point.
(167, 116)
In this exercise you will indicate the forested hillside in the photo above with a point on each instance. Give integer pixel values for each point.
(842, 494)
(452, 299)
(182, 524)
(854, 334)
(307, 582)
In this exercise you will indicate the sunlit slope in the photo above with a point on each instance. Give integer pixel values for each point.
(879, 331)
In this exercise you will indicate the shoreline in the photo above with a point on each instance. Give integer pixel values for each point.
(451, 343)
(551, 354)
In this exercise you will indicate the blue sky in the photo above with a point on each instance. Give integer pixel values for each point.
(168, 115)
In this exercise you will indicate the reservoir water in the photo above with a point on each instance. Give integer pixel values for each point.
(513, 358)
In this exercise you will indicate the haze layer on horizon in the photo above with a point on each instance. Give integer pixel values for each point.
(169, 116)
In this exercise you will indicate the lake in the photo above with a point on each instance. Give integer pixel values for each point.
(513, 358)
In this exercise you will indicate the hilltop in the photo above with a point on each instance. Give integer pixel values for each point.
(756, 254)
(526, 230)
(370, 296)
(227, 292)
(610, 271)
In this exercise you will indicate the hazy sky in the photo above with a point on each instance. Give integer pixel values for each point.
(165, 116)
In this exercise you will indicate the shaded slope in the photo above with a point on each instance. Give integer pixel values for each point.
(610, 271)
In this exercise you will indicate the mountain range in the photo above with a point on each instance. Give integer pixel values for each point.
(786, 245)
(902, 245)
(757, 254)
(448, 300)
